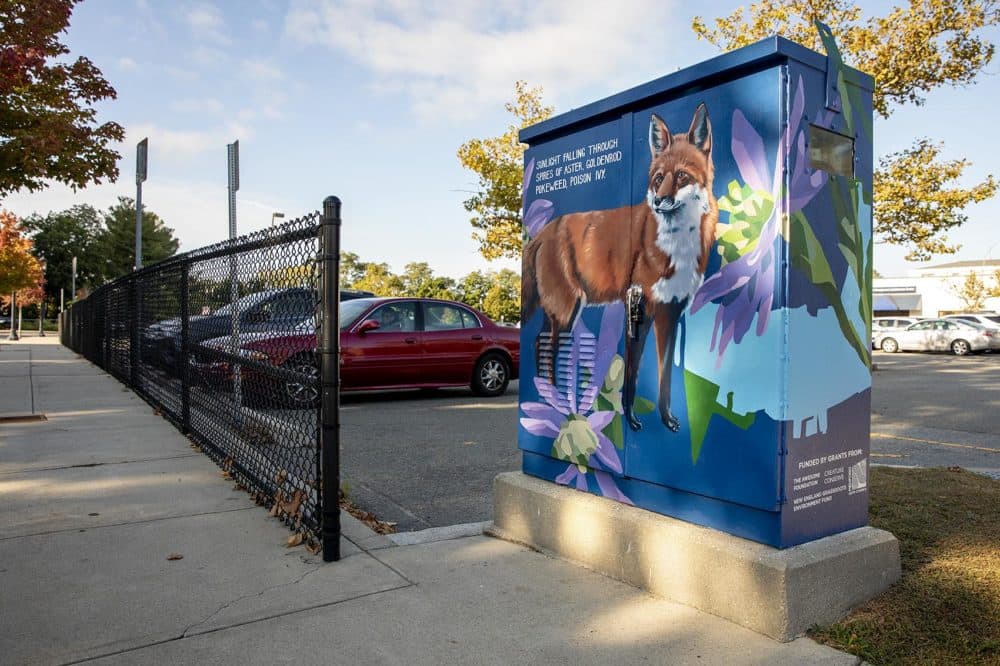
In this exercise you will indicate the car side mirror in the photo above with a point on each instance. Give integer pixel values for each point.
(368, 325)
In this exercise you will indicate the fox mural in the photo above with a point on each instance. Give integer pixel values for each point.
(651, 256)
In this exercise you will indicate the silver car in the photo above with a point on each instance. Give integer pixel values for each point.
(985, 319)
(960, 337)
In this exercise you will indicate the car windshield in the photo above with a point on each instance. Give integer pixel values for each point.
(351, 310)
(993, 318)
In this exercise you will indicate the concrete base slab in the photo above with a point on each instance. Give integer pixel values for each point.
(779, 593)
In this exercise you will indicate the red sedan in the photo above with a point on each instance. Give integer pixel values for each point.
(392, 343)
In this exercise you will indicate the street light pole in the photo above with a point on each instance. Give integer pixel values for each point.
(233, 153)
(41, 309)
(72, 296)
(141, 153)
(13, 317)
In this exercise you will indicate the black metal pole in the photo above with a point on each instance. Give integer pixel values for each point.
(329, 350)
(133, 316)
(185, 366)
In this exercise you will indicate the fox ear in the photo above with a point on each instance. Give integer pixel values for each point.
(700, 134)
(659, 135)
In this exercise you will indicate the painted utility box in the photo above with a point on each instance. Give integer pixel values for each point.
(696, 295)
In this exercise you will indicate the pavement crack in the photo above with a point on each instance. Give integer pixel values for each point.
(256, 595)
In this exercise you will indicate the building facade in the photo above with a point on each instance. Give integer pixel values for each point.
(934, 291)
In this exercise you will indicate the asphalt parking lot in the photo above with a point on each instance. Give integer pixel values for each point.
(427, 459)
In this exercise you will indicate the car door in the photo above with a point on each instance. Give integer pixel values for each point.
(916, 337)
(389, 355)
(452, 340)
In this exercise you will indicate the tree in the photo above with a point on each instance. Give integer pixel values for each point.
(914, 202)
(379, 280)
(994, 289)
(503, 300)
(58, 237)
(972, 291)
(473, 287)
(419, 280)
(497, 161)
(48, 127)
(19, 269)
(117, 241)
(911, 50)
(351, 269)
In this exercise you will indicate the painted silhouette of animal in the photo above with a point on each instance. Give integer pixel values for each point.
(651, 256)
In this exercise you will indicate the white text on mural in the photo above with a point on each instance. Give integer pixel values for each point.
(576, 167)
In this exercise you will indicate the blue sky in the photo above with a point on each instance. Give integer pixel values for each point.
(370, 100)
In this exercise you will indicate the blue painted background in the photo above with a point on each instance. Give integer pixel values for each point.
(803, 389)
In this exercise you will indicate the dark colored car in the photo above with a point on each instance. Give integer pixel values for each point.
(259, 312)
(389, 343)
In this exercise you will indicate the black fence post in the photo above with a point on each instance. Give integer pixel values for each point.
(185, 344)
(329, 350)
(133, 317)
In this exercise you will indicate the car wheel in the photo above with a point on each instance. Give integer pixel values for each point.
(960, 347)
(491, 376)
(890, 345)
(304, 395)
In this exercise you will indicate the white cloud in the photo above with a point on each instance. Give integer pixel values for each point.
(179, 145)
(262, 71)
(197, 211)
(458, 58)
(208, 105)
(126, 64)
(206, 22)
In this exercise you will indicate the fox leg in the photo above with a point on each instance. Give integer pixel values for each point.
(666, 318)
(633, 355)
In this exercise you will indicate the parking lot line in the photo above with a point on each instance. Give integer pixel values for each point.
(931, 441)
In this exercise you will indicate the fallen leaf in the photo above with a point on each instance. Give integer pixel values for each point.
(295, 540)
(294, 505)
(175, 556)
(280, 477)
(313, 548)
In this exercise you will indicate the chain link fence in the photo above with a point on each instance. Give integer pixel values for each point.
(233, 344)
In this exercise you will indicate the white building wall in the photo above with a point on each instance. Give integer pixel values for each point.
(937, 286)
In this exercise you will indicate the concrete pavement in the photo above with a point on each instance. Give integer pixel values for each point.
(94, 499)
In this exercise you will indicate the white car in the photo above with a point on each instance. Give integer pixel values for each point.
(960, 337)
(892, 323)
(986, 319)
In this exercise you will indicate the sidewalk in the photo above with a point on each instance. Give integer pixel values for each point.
(95, 498)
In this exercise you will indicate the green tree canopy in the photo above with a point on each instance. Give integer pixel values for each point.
(117, 241)
(379, 280)
(419, 280)
(48, 127)
(352, 269)
(911, 50)
(498, 162)
(58, 237)
(503, 299)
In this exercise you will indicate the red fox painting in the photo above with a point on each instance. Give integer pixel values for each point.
(651, 256)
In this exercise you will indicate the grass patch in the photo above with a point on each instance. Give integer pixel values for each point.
(946, 607)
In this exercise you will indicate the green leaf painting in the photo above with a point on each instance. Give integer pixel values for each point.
(748, 210)
(702, 404)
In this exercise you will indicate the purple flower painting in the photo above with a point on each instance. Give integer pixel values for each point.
(570, 415)
(744, 288)
(540, 211)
